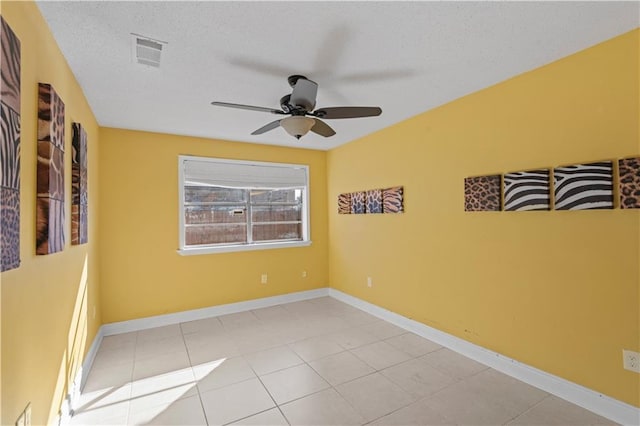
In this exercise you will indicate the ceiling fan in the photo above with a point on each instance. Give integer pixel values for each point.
(299, 105)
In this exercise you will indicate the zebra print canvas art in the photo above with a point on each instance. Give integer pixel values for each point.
(9, 148)
(526, 190)
(584, 186)
(50, 172)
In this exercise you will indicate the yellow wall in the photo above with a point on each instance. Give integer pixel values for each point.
(141, 273)
(46, 301)
(556, 290)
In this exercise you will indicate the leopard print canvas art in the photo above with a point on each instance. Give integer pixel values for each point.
(358, 202)
(629, 171)
(374, 201)
(9, 148)
(10, 218)
(50, 172)
(482, 193)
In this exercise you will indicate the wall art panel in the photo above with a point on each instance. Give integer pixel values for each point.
(9, 148)
(393, 200)
(10, 218)
(49, 221)
(527, 190)
(10, 66)
(79, 199)
(629, 171)
(358, 202)
(50, 172)
(584, 186)
(482, 193)
(344, 203)
(374, 201)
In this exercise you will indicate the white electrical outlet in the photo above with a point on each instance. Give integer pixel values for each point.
(369, 282)
(263, 279)
(631, 360)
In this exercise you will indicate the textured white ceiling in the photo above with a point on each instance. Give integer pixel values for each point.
(406, 57)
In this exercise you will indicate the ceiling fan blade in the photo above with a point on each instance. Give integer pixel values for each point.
(322, 129)
(248, 107)
(266, 128)
(304, 94)
(347, 112)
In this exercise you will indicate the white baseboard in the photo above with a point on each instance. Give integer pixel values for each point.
(69, 404)
(213, 311)
(591, 400)
(86, 365)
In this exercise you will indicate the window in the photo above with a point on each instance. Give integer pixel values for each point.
(228, 205)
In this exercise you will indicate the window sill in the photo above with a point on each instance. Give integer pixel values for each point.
(236, 248)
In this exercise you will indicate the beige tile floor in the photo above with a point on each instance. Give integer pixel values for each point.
(317, 362)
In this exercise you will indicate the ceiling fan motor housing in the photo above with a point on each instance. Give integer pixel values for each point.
(293, 79)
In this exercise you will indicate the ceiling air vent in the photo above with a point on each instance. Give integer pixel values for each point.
(147, 51)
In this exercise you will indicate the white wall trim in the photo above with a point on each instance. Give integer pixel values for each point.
(213, 311)
(87, 364)
(591, 400)
(70, 402)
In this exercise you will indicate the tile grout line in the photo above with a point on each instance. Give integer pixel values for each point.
(268, 393)
(195, 381)
(528, 409)
(304, 362)
(350, 350)
(133, 366)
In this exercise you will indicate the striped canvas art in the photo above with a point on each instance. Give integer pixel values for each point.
(393, 200)
(344, 203)
(584, 186)
(526, 190)
(9, 148)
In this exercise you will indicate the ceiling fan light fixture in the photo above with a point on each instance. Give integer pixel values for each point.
(297, 125)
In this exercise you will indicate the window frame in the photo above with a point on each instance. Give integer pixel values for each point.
(239, 247)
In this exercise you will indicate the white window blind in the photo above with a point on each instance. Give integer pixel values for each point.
(239, 174)
(234, 205)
